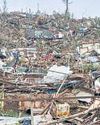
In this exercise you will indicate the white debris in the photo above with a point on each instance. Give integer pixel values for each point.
(1, 64)
(97, 85)
(57, 73)
(84, 94)
(39, 119)
(8, 121)
(3, 50)
(60, 35)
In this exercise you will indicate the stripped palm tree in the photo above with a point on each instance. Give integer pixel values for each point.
(66, 3)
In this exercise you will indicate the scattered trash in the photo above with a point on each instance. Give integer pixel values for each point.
(49, 67)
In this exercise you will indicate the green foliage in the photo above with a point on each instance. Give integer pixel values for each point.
(9, 113)
(96, 66)
(90, 66)
(97, 20)
(87, 67)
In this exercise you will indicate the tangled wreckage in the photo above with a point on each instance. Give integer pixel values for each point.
(50, 72)
(54, 96)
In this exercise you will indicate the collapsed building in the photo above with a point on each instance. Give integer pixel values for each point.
(50, 69)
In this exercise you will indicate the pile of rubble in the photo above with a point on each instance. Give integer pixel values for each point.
(50, 66)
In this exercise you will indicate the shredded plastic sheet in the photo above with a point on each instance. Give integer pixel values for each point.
(57, 73)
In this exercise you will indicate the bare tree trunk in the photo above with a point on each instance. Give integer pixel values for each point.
(66, 11)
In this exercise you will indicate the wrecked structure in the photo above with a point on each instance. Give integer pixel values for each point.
(50, 68)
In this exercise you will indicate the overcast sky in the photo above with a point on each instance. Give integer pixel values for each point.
(79, 8)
